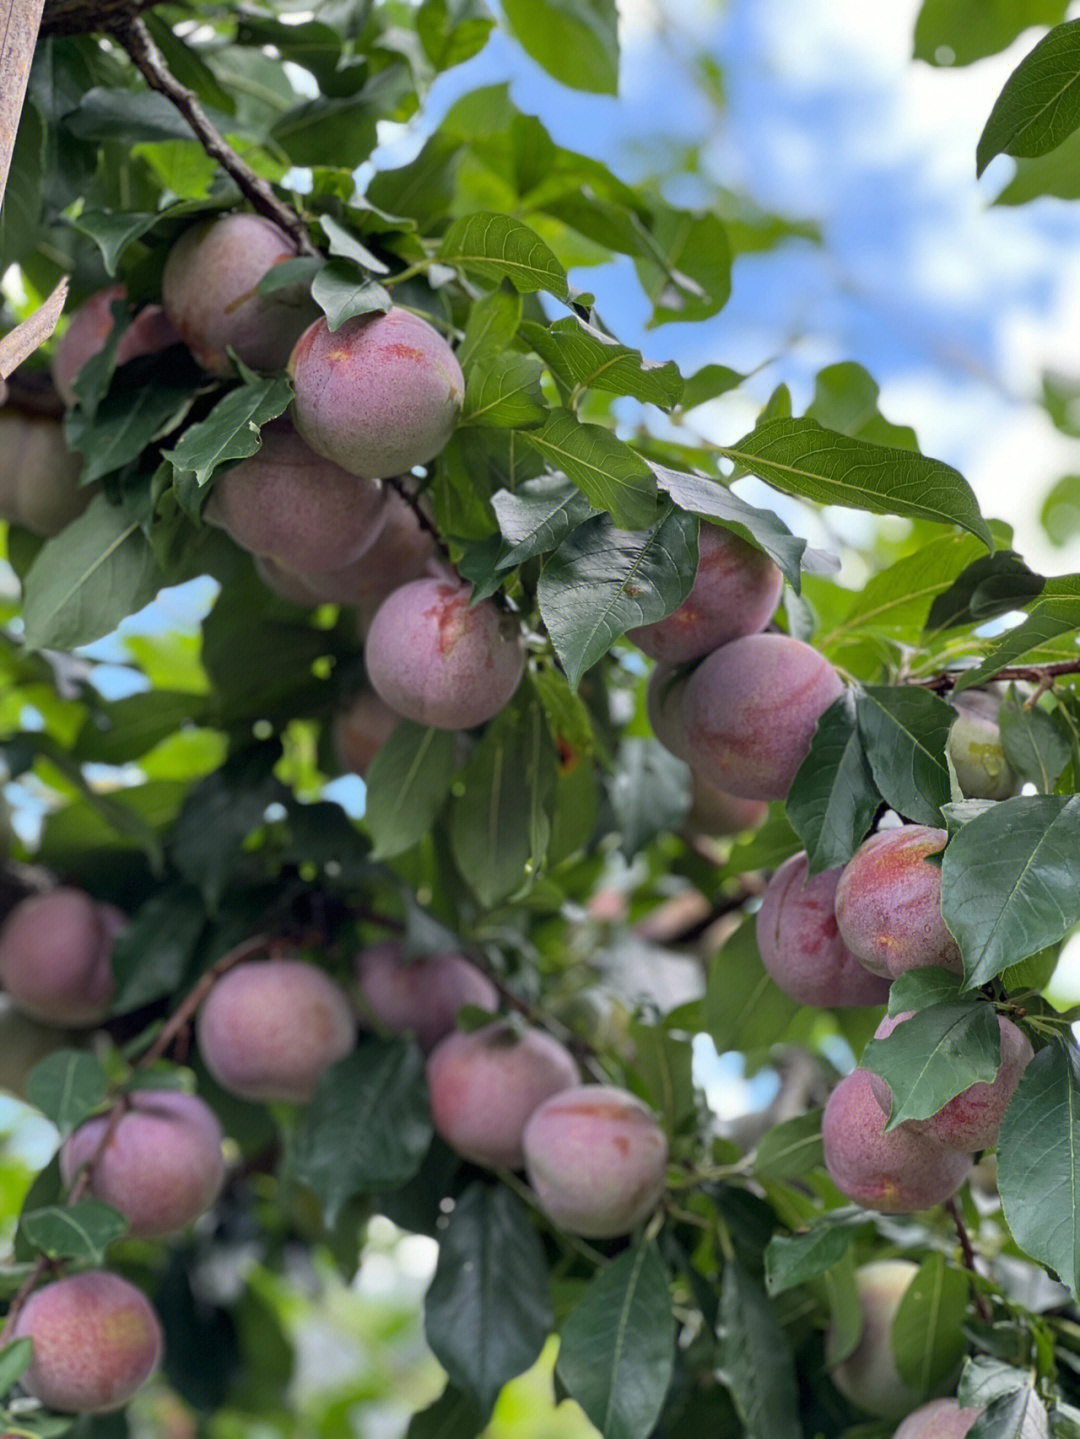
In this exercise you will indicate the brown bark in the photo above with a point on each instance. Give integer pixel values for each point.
(78, 17)
(19, 22)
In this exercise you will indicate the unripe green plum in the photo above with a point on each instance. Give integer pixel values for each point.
(888, 903)
(25, 1042)
(421, 996)
(868, 1377)
(269, 1029)
(289, 504)
(750, 711)
(973, 1118)
(39, 475)
(940, 1419)
(736, 591)
(895, 1173)
(162, 1166)
(378, 395)
(664, 705)
(800, 943)
(96, 1342)
(209, 288)
(55, 956)
(485, 1085)
(596, 1159)
(91, 325)
(978, 755)
(439, 662)
(360, 731)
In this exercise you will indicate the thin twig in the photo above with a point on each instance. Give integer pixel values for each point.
(424, 520)
(133, 35)
(1043, 675)
(968, 1251)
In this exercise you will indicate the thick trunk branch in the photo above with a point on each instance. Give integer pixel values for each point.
(19, 22)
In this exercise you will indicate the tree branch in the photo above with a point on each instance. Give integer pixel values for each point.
(1043, 675)
(132, 34)
(968, 1251)
(82, 17)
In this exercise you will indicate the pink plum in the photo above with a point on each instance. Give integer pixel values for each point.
(89, 328)
(55, 956)
(420, 995)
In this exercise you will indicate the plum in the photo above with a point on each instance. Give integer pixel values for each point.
(378, 395)
(89, 328)
(360, 731)
(944, 1419)
(291, 505)
(664, 704)
(270, 1028)
(800, 943)
(895, 1173)
(39, 475)
(55, 956)
(715, 812)
(485, 1085)
(973, 1118)
(750, 711)
(209, 288)
(977, 753)
(736, 591)
(868, 1377)
(162, 1166)
(96, 1341)
(421, 995)
(25, 1042)
(888, 903)
(596, 1159)
(439, 662)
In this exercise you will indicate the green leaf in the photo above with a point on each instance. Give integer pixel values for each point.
(663, 1069)
(488, 1312)
(127, 420)
(792, 1259)
(581, 355)
(984, 1379)
(81, 1231)
(708, 383)
(928, 1340)
(755, 1361)
(231, 429)
(990, 585)
(498, 246)
(499, 819)
(801, 458)
(344, 243)
(341, 292)
(1037, 743)
(219, 813)
(82, 583)
(493, 322)
(686, 273)
(1057, 613)
(153, 954)
(608, 472)
(1008, 882)
(345, 126)
(1020, 1415)
(743, 1008)
(67, 1087)
(14, 1359)
(790, 1149)
(602, 581)
(21, 209)
(576, 41)
(833, 798)
(503, 390)
(129, 115)
(924, 986)
(762, 528)
(846, 399)
(1040, 1136)
(650, 793)
(956, 32)
(453, 31)
(931, 1057)
(616, 1350)
(904, 731)
(367, 1126)
(537, 516)
(452, 1416)
(1060, 512)
(1039, 106)
(407, 784)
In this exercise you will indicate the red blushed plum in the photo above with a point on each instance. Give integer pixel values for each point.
(736, 591)
(664, 704)
(714, 812)
(421, 995)
(359, 732)
(92, 324)
(801, 946)
(162, 1166)
(868, 1377)
(269, 1029)
(55, 956)
(596, 1159)
(972, 1119)
(485, 1085)
(210, 291)
(289, 504)
(888, 903)
(96, 1341)
(750, 711)
(438, 662)
(39, 475)
(380, 394)
(895, 1173)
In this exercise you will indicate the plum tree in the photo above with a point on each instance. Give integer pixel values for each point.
(161, 1166)
(868, 1376)
(379, 394)
(209, 289)
(361, 729)
(484, 1085)
(800, 944)
(91, 325)
(973, 1118)
(750, 711)
(735, 592)
(39, 475)
(888, 903)
(55, 953)
(895, 1173)
(437, 660)
(421, 996)
(270, 1029)
(289, 505)
(596, 1158)
(96, 1341)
